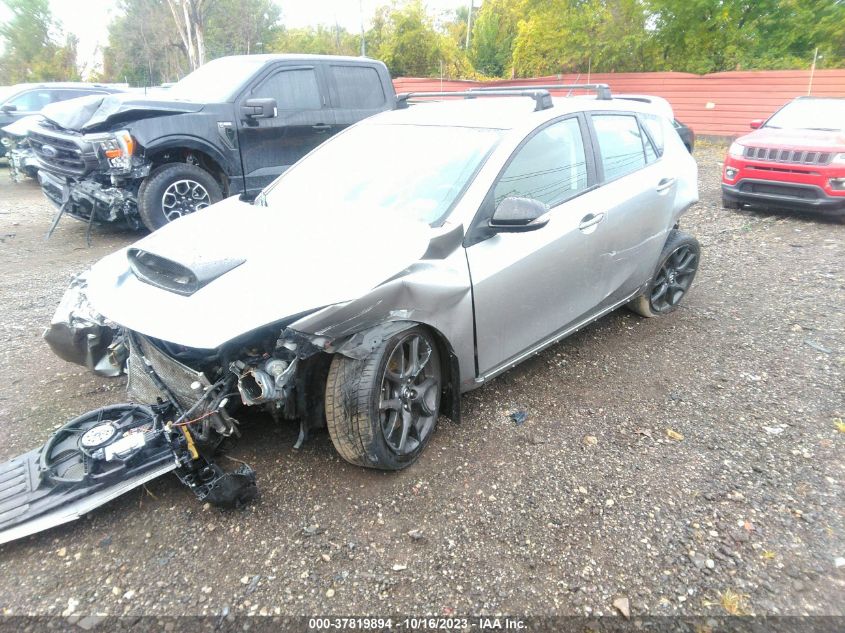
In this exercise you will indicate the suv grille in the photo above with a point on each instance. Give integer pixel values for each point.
(796, 156)
(61, 154)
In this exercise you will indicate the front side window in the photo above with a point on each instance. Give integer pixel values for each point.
(292, 89)
(550, 167)
(31, 101)
(620, 143)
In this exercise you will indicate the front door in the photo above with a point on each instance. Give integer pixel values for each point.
(303, 121)
(528, 286)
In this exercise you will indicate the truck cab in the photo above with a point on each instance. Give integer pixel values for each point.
(229, 128)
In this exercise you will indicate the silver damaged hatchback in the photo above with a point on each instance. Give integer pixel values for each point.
(405, 261)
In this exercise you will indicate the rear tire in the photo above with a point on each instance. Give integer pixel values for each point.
(672, 280)
(174, 190)
(382, 410)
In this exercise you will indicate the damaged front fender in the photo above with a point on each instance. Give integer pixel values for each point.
(78, 334)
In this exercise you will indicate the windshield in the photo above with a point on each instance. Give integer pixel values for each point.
(413, 171)
(216, 81)
(811, 114)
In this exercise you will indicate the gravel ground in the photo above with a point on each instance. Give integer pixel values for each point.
(691, 464)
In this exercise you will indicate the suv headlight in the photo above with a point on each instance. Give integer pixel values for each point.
(736, 150)
(117, 148)
(838, 159)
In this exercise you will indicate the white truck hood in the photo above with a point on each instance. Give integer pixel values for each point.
(280, 264)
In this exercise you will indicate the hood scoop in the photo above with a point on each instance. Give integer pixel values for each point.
(170, 275)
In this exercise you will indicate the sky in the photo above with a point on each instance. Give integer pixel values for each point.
(89, 19)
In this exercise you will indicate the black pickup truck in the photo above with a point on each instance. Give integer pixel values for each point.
(228, 128)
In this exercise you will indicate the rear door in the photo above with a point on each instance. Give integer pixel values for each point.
(529, 286)
(638, 192)
(356, 91)
(269, 146)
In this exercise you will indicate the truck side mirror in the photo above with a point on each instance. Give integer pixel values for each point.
(756, 124)
(10, 107)
(259, 108)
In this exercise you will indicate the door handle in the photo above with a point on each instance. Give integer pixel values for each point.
(321, 127)
(665, 184)
(590, 220)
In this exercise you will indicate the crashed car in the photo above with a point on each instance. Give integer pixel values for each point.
(22, 160)
(452, 240)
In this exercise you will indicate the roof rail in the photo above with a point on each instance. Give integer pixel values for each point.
(602, 90)
(541, 97)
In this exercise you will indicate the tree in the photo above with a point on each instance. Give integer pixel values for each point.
(32, 49)
(319, 40)
(144, 48)
(558, 36)
(240, 27)
(493, 34)
(189, 17)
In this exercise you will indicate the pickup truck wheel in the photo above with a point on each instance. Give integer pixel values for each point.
(675, 272)
(381, 411)
(174, 190)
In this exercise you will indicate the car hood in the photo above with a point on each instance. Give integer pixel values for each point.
(794, 139)
(257, 265)
(22, 126)
(87, 114)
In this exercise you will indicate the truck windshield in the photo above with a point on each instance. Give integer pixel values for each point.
(217, 81)
(414, 171)
(811, 114)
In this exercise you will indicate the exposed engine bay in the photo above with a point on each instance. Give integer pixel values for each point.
(187, 417)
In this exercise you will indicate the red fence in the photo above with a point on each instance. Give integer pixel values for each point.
(720, 104)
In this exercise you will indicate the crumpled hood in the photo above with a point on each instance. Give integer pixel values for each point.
(287, 263)
(88, 113)
(795, 139)
(22, 126)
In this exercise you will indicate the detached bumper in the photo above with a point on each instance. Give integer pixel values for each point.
(782, 195)
(87, 198)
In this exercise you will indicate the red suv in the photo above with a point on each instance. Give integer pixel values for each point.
(795, 160)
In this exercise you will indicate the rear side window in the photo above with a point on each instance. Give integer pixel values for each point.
(550, 167)
(358, 87)
(654, 126)
(620, 143)
(292, 89)
(63, 95)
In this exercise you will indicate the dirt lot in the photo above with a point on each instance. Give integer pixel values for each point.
(588, 501)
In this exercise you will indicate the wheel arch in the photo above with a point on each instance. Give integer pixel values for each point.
(363, 342)
(185, 149)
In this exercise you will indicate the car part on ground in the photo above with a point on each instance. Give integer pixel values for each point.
(369, 306)
(793, 161)
(228, 128)
(101, 455)
(22, 160)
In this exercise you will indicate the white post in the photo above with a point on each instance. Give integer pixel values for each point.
(469, 23)
(812, 71)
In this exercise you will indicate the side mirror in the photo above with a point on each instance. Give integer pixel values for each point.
(756, 124)
(259, 108)
(519, 215)
(9, 107)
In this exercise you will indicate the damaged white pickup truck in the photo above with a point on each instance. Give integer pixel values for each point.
(407, 260)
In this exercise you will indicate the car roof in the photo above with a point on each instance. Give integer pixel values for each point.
(303, 57)
(500, 112)
(60, 84)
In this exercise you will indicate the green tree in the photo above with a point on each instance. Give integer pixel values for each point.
(557, 36)
(493, 32)
(714, 35)
(318, 40)
(32, 49)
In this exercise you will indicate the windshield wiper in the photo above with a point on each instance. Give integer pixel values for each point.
(822, 129)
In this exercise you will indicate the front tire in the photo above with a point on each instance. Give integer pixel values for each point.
(731, 205)
(174, 190)
(381, 411)
(675, 273)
